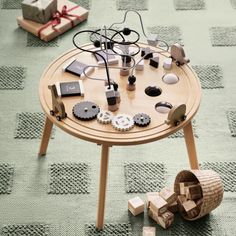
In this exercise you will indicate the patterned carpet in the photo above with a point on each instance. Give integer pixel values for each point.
(57, 194)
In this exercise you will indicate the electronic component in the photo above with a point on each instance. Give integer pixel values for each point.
(77, 68)
(85, 110)
(104, 117)
(142, 119)
(72, 88)
(122, 122)
(108, 56)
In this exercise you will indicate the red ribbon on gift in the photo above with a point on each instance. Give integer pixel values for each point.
(56, 19)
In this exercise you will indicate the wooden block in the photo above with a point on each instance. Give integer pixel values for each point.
(136, 205)
(158, 205)
(168, 195)
(167, 64)
(180, 200)
(173, 207)
(194, 192)
(166, 219)
(149, 231)
(182, 186)
(140, 65)
(150, 196)
(191, 208)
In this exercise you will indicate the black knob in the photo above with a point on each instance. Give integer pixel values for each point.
(97, 43)
(131, 79)
(126, 31)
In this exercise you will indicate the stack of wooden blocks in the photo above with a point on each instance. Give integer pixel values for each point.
(162, 205)
(190, 199)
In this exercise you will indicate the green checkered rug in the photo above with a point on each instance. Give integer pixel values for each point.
(57, 194)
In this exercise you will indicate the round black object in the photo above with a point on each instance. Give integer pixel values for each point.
(97, 43)
(153, 91)
(85, 110)
(142, 119)
(131, 79)
(115, 85)
(126, 31)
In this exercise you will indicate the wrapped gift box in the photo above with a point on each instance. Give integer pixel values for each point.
(40, 11)
(69, 15)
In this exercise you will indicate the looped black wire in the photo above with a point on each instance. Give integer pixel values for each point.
(85, 50)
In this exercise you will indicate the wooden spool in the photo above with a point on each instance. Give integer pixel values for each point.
(212, 189)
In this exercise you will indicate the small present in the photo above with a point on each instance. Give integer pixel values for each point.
(68, 15)
(40, 11)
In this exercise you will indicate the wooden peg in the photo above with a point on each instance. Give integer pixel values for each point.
(57, 104)
(176, 115)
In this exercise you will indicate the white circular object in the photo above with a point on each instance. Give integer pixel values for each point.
(104, 117)
(123, 122)
(170, 78)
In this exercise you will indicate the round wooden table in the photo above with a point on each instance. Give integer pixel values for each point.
(186, 91)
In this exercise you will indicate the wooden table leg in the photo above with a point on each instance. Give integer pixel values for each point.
(190, 144)
(45, 136)
(102, 186)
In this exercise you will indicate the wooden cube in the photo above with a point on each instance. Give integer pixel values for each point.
(194, 192)
(150, 196)
(166, 219)
(180, 200)
(147, 53)
(168, 195)
(158, 205)
(149, 231)
(154, 62)
(191, 208)
(140, 65)
(136, 205)
(173, 207)
(152, 40)
(167, 64)
(183, 185)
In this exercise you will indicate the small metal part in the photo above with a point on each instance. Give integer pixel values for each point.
(104, 117)
(142, 119)
(85, 110)
(122, 122)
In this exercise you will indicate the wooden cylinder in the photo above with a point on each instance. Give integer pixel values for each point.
(212, 189)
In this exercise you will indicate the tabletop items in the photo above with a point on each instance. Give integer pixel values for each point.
(47, 19)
